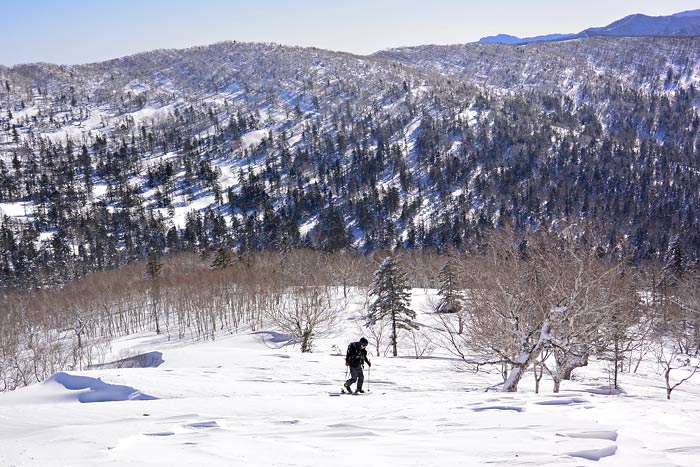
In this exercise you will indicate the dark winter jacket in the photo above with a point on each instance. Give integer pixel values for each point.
(356, 355)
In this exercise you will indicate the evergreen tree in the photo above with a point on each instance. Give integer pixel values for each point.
(675, 265)
(391, 299)
(451, 298)
(153, 269)
(172, 238)
(222, 259)
(332, 231)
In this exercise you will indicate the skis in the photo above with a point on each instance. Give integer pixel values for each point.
(344, 392)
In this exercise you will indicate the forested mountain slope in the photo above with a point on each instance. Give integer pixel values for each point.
(261, 146)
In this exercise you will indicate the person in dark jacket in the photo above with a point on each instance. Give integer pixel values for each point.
(355, 358)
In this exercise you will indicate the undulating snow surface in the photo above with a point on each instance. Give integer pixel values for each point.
(247, 399)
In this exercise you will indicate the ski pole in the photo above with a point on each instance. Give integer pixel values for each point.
(369, 374)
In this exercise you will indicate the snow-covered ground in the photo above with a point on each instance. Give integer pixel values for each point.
(247, 399)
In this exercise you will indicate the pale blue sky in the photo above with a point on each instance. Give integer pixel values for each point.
(81, 31)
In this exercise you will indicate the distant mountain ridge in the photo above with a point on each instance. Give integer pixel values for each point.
(514, 40)
(684, 24)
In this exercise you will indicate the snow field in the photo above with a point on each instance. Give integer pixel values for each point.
(247, 399)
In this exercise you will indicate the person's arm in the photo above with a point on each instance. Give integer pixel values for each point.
(369, 364)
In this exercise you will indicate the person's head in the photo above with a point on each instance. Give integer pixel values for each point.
(363, 342)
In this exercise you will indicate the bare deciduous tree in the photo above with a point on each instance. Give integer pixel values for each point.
(670, 357)
(304, 313)
(525, 296)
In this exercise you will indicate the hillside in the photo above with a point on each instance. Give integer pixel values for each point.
(253, 398)
(260, 146)
(575, 68)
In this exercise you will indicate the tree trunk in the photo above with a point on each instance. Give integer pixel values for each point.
(306, 342)
(557, 383)
(567, 373)
(566, 364)
(616, 362)
(155, 292)
(511, 384)
(525, 358)
(393, 332)
(538, 377)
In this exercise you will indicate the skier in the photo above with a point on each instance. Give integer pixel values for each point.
(355, 359)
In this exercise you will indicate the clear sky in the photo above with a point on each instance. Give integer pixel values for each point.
(82, 31)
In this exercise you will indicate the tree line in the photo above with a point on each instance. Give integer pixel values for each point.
(518, 304)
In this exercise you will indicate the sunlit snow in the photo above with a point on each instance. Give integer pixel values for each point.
(249, 399)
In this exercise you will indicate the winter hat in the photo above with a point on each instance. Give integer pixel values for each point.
(363, 341)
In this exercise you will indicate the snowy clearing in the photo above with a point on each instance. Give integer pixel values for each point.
(249, 399)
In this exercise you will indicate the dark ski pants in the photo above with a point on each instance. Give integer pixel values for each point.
(356, 374)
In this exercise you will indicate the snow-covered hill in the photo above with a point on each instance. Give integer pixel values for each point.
(570, 67)
(248, 399)
(260, 146)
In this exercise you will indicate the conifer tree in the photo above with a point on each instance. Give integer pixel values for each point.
(391, 299)
(449, 293)
(334, 237)
(675, 265)
(222, 259)
(153, 268)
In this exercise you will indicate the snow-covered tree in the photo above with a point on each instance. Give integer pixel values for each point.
(521, 303)
(391, 299)
(585, 293)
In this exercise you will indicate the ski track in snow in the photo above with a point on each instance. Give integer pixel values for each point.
(241, 401)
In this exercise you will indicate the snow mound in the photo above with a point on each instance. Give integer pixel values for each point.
(146, 360)
(95, 390)
(608, 435)
(595, 454)
(274, 337)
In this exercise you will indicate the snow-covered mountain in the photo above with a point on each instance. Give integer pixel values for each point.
(265, 146)
(682, 24)
(685, 24)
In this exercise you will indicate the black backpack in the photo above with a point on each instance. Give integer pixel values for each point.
(355, 356)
